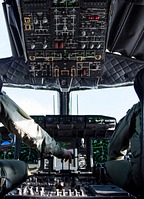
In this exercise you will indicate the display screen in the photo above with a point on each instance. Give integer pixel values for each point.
(100, 151)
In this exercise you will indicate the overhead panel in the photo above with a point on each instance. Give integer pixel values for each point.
(61, 44)
(65, 38)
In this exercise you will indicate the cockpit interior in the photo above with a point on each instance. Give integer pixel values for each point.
(66, 46)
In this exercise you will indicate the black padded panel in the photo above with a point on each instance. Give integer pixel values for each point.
(116, 71)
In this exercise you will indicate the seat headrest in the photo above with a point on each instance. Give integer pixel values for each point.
(139, 84)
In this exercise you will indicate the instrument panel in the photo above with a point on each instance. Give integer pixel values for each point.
(79, 133)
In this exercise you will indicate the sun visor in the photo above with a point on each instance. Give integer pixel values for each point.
(126, 34)
(12, 19)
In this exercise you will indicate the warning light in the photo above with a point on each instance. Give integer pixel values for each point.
(90, 17)
(96, 17)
